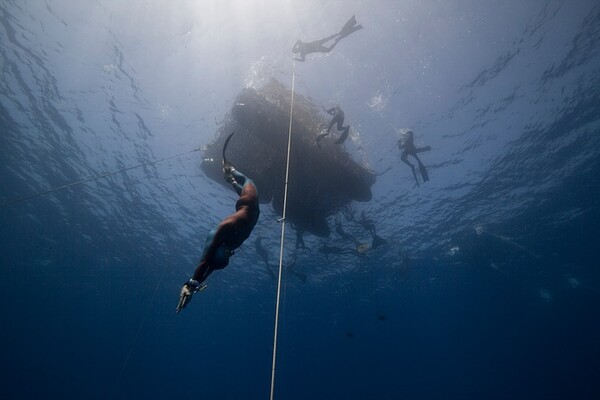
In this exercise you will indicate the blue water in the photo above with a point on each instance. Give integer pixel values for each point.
(501, 298)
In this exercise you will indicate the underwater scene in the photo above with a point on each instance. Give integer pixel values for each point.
(299, 199)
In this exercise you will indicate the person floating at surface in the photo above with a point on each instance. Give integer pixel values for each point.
(338, 118)
(407, 145)
(369, 226)
(228, 235)
(318, 46)
(349, 27)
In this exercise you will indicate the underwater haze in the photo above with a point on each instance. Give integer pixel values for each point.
(487, 285)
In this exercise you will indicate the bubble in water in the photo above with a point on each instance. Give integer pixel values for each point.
(573, 282)
(545, 295)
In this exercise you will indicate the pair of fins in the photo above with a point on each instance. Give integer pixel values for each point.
(423, 171)
(340, 140)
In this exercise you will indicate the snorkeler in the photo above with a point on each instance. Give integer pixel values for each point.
(318, 46)
(338, 118)
(369, 226)
(228, 235)
(407, 145)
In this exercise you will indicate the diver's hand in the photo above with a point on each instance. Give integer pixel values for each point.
(187, 291)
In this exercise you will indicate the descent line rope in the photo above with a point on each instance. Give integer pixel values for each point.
(93, 178)
(285, 192)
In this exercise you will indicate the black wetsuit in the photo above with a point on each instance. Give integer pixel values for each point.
(318, 46)
(338, 119)
(408, 148)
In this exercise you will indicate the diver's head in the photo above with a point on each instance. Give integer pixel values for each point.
(409, 133)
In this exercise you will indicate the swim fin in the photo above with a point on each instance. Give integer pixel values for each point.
(423, 172)
(343, 136)
(225, 162)
(349, 27)
(378, 241)
(320, 137)
(412, 167)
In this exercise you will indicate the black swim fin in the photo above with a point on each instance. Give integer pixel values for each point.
(320, 137)
(343, 136)
(349, 27)
(225, 162)
(378, 241)
(423, 172)
(412, 167)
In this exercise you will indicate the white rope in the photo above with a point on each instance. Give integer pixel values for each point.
(285, 192)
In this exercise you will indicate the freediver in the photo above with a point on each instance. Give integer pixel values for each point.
(338, 118)
(300, 238)
(369, 226)
(407, 145)
(318, 46)
(228, 235)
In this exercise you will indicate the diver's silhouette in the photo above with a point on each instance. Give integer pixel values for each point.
(300, 239)
(318, 46)
(407, 145)
(338, 118)
(228, 235)
(369, 226)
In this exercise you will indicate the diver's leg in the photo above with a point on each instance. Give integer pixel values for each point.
(203, 269)
(321, 43)
(238, 180)
(404, 159)
(343, 136)
(422, 169)
(340, 123)
(331, 123)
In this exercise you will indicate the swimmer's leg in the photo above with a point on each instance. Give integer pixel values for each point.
(343, 136)
(404, 159)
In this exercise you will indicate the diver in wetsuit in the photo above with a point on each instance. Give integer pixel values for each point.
(300, 239)
(369, 226)
(318, 46)
(407, 146)
(338, 118)
(228, 235)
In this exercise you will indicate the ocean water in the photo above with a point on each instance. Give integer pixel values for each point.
(488, 286)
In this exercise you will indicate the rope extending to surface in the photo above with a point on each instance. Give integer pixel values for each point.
(93, 178)
(285, 192)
